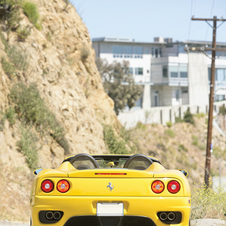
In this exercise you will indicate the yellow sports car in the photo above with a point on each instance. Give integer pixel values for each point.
(110, 190)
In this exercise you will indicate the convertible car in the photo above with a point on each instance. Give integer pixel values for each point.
(110, 190)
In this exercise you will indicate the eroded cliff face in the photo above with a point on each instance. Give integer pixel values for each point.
(62, 64)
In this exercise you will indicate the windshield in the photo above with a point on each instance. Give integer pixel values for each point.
(111, 163)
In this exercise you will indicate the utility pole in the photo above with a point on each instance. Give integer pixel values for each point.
(211, 97)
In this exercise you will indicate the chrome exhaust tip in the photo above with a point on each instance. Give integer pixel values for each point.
(57, 215)
(49, 215)
(163, 216)
(171, 216)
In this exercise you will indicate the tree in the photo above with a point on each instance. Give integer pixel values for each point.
(119, 83)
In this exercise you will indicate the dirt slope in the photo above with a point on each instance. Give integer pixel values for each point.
(61, 63)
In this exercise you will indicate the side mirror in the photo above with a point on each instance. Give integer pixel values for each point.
(185, 172)
(35, 172)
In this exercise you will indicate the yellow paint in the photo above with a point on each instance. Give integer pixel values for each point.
(132, 189)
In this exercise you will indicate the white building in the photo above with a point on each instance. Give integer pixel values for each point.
(170, 76)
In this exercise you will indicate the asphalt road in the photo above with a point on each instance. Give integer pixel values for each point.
(200, 222)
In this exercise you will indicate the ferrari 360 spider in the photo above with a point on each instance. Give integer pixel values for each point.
(110, 190)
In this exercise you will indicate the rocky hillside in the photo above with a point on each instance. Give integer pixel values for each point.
(49, 67)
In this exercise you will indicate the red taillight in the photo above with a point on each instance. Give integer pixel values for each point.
(110, 173)
(63, 186)
(173, 186)
(157, 186)
(47, 186)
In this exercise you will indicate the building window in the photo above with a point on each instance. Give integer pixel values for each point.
(128, 51)
(138, 52)
(173, 71)
(131, 70)
(220, 74)
(117, 51)
(165, 72)
(183, 71)
(139, 71)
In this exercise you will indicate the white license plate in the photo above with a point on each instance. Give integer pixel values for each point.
(110, 209)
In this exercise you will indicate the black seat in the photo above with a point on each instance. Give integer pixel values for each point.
(84, 161)
(138, 161)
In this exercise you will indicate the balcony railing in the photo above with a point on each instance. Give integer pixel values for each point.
(119, 55)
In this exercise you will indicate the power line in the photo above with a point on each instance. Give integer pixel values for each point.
(210, 16)
(190, 20)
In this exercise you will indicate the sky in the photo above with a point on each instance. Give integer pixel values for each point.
(142, 20)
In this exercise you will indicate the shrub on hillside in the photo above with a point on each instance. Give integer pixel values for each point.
(84, 54)
(10, 115)
(222, 110)
(31, 108)
(31, 11)
(188, 117)
(10, 13)
(8, 68)
(170, 133)
(115, 144)
(27, 145)
(169, 124)
(23, 33)
(18, 58)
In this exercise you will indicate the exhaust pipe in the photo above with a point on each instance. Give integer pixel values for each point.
(171, 216)
(163, 216)
(57, 215)
(49, 215)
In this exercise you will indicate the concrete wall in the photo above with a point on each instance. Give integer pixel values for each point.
(161, 115)
(198, 79)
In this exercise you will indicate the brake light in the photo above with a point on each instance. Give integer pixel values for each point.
(173, 186)
(63, 186)
(110, 173)
(157, 186)
(47, 186)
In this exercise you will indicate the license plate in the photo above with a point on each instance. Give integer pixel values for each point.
(110, 209)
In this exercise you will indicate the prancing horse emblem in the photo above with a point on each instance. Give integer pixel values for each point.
(110, 187)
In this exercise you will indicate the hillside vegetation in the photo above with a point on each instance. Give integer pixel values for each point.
(52, 99)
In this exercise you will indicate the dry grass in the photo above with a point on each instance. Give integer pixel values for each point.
(208, 203)
(15, 182)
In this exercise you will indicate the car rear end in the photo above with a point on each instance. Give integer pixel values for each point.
(110, 197)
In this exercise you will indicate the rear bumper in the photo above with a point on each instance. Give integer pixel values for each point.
(75, 206)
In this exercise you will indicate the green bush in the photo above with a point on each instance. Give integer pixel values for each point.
(178, 120)
(27, 145)
(188, 117)
(200, 115)
(195, 140)
(170, 133)
(115, 144)
(141, 126)
(182, 148)
(31, 11)
(23, 33)
(169, 124)
(10, 13)
(31, 108)
(8, 68)
(222, 110)
(10, 115)
(17, 57)
(2, 122)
